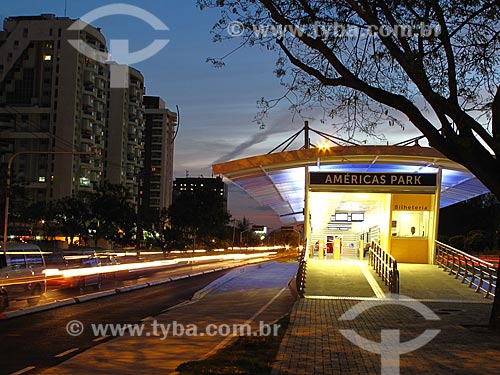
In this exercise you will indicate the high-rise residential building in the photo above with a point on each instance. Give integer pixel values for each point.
(157, 175)
(125, 135)
(193, 184)
(52, 99)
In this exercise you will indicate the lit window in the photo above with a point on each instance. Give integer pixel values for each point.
(47, 58)
(41, 179)
(84, 182)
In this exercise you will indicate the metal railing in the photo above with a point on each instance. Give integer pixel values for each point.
(301, 276)
(385, 265)
(474, 272)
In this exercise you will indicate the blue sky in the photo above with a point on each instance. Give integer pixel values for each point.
(217, 106)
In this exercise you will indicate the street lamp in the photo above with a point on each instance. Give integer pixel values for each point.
(241, 235)
(8, 184)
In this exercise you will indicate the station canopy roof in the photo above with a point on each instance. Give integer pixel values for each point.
(277, 180)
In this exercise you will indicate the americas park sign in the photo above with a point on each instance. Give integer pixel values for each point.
(372, 179)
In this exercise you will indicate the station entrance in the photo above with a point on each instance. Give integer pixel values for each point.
(345, 217)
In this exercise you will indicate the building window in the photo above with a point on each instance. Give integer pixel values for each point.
(410, 223)
(47, 58)
(84, 182)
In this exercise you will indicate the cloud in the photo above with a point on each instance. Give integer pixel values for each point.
(281, 125)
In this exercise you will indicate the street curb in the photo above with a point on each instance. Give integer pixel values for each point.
(89, 297)
(34, 309)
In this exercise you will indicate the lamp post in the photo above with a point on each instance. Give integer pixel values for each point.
(8, 183)
(234, 232)
(241, 235)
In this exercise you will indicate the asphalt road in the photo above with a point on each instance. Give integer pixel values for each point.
(31, 343)
(125, 279)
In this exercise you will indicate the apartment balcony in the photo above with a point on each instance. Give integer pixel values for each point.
(86, 114)
(87, 126)
(88, 77)
(88, 101)
(101, 74)
(91, 66)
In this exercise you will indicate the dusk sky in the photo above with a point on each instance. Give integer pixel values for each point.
(217, 106)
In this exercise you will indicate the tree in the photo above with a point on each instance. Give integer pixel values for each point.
(434, 62)
(74, 215)
(200, 215)
(112, 214)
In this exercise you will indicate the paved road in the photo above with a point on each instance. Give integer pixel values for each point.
(135, 277)
(40, 340)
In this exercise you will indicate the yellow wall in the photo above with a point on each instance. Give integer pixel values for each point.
(422, 200)
(410, 250)
(385, 221)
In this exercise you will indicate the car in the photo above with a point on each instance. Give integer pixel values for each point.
(108, 259)
(75, 262)
(21, 274)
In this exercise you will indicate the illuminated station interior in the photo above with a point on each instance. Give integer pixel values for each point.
(357, 194)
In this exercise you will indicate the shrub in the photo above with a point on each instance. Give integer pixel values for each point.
(477, 241)
(458, 242)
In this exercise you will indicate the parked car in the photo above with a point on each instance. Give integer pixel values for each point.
(21, 276)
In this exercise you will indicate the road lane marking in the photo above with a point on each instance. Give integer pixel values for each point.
(24, 370)
(100, 338)
(63, 354)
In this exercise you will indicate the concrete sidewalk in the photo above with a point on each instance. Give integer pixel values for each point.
(250, 295)
(314, 343)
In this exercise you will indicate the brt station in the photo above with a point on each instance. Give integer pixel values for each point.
(343, 197)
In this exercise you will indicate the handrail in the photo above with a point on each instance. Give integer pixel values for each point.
(473, 271)
(300, 280)
(385, 265)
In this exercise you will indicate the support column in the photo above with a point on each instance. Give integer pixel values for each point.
(437, 203)
(307, 221)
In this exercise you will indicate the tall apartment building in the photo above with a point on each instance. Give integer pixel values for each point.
(158, 154)
(123, 155)
(52, 98)
(55, 99)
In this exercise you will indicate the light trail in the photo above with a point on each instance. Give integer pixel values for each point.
(67, 273)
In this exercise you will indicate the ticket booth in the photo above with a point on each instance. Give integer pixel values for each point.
(412, 216)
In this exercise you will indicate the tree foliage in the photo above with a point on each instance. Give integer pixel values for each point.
(198, 214)
(104, 214)
(432, 63)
